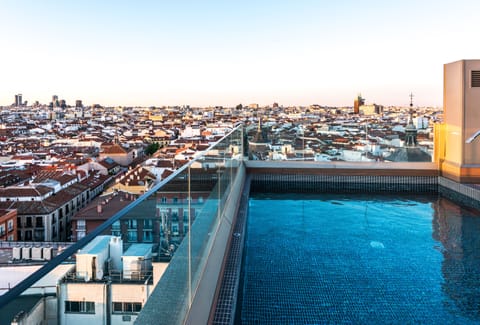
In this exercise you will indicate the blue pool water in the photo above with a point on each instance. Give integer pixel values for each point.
(329, 259)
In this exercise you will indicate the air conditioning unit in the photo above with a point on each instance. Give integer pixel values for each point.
(47, 253)
(137, 260)
(37, 253)
(27, 253)
(17, 253)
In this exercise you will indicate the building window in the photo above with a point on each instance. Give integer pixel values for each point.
(2, 229)
(117, 307)
(164, 200)
(81, 224)
(132, 224)
(10, 225)
(29, 222)
(147, 224)
(87, 307)
(116, 229)
(175, 229)
(175, 215)
(175, 200)
(127, 307)
(39, 222)
(132, 235)
(39, 235)
(147, 236)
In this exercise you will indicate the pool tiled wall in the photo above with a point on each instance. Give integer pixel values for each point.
(466, 194)
(342, 183)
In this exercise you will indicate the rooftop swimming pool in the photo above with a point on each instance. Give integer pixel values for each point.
(321, 258)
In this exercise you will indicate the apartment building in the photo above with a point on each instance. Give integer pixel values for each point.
(46, 205)
(8, 225)
(108, 285)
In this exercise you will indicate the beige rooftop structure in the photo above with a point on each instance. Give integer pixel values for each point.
(457, 148)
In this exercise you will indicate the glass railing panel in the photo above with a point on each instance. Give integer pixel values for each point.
(176, 220)
(208, 182)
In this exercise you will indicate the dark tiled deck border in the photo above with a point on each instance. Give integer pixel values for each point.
(227, 298)
(342, 183)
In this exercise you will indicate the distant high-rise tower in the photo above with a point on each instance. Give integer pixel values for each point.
(55, 101)
(18, 100)
(359, 101)
(457, 148)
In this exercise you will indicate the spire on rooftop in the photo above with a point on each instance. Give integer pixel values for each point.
(410, 130)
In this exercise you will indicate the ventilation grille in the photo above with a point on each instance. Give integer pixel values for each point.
(475, 78)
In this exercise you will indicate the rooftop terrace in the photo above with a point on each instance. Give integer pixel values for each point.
(191, 289)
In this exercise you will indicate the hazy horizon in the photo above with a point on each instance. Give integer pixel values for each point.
(158, 53)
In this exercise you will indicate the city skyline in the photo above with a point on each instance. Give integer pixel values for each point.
(221, 53)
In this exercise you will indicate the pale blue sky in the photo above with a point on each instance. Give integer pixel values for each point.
(228, 52)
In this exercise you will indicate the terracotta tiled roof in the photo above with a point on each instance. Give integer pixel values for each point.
(64, 196)
(114, 150)
(25, 191)
(60, 176)
(29, 207)
(95, 180)
(138, 176)
(166, 163)
(166, 173)
(110, 205)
